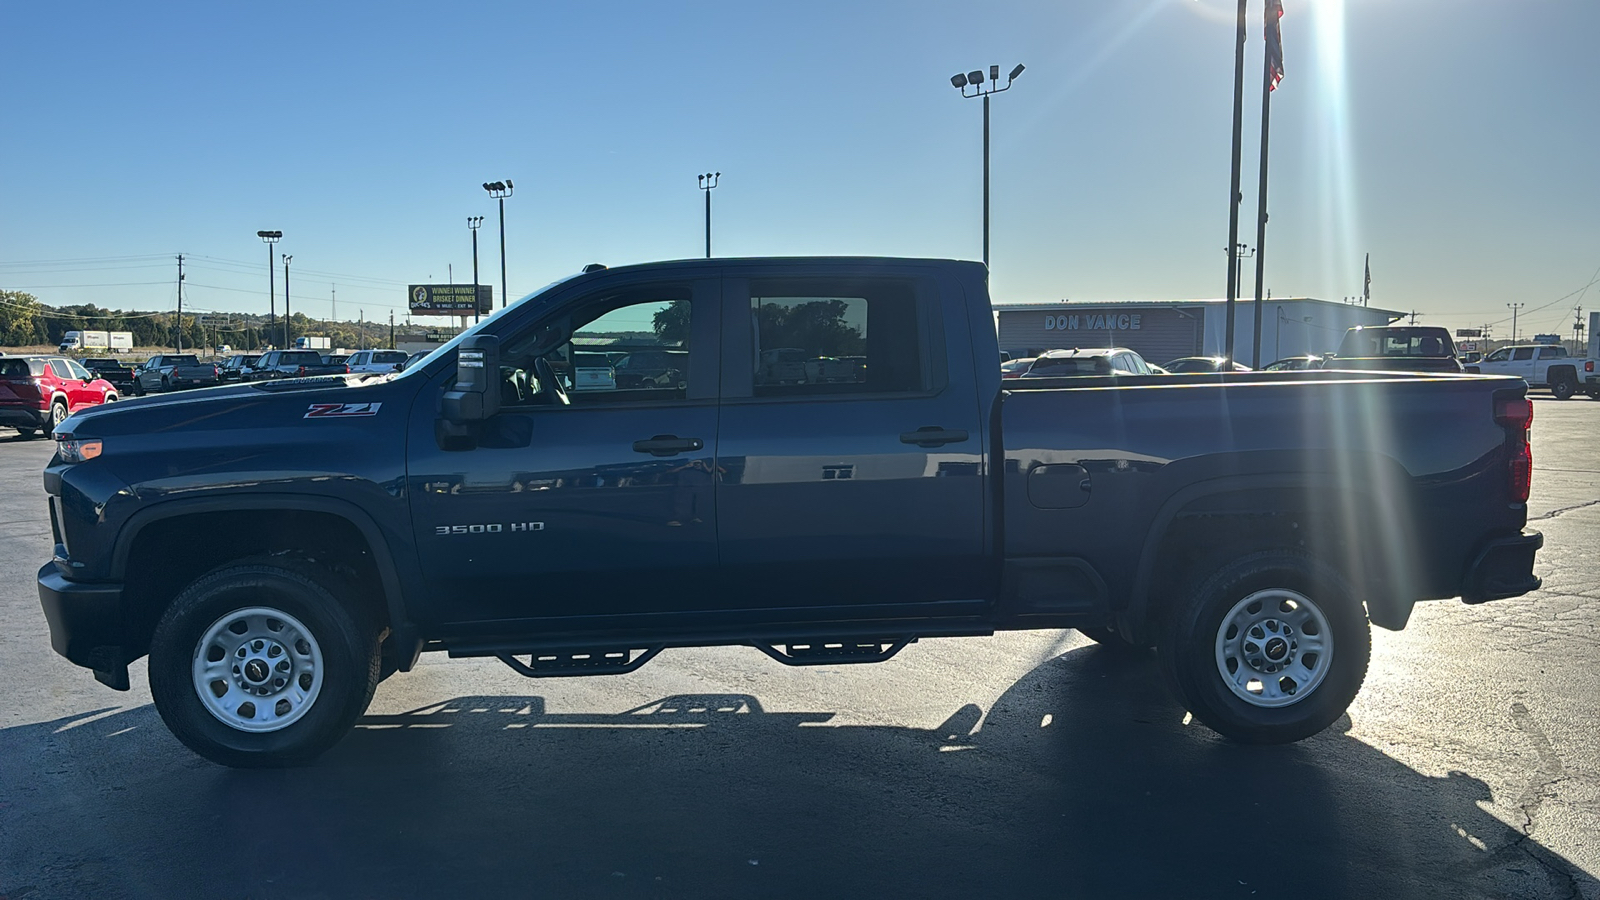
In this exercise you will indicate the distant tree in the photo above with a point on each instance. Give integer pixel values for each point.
(672, 323)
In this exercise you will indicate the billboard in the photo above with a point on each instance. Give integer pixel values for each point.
(449, 299)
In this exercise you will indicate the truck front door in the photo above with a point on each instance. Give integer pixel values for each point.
(578, 503)
(850, 478)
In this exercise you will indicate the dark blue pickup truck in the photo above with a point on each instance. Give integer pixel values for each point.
(278, 548)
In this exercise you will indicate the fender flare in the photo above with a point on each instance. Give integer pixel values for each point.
(388, 574)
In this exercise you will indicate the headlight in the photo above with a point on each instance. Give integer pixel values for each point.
(75, 451)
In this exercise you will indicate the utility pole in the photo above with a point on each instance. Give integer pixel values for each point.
(286, 317)
(1413, 317)
(361, 325)
(1514, 307)
(391, 329)
(180, 302)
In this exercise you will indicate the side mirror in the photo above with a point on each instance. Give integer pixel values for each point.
(477, 391)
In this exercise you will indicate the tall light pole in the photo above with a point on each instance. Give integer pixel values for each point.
(975, 80)
(708, 183)
(286, 316)
(271, 237)
(500, 190)
(472, 223)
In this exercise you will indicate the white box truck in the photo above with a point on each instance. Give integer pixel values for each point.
(311, 342)
(95, 341)
(84, 341)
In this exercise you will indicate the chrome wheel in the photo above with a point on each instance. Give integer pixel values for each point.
(257, 669)
(1274, 648)
(58, 414)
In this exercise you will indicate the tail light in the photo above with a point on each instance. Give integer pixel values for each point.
(1515, 414)
(301, 371)
(216, 372)
(1588, 366)
(347, 368)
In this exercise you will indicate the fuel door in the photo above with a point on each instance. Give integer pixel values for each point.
(1058, 486)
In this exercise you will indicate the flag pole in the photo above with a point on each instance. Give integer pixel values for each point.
(1267, 71)
(1234, 197)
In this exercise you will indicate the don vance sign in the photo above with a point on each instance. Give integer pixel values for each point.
(1093, 322)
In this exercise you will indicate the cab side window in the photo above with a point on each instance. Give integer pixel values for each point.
(1501, 355)
(1552, 353)
(1524, 353)
(626, 348)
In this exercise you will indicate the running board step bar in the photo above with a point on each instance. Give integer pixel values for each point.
(556, 663)
(830, 653)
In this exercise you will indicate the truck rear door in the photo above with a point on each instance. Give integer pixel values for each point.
(862, 489)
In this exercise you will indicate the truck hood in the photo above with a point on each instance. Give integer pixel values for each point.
(161, 411)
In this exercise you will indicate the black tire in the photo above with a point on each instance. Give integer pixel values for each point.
(1112, 639)
(1563, 389)
(1194, 667)
(58, 414)
(324, 603)
(165, 384)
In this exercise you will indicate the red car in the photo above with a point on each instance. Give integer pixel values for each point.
(37, 392)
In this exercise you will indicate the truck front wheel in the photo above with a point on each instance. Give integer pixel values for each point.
(1271, 649)
(263, 663)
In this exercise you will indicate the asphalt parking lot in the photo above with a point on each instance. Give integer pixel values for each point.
(1028, 764)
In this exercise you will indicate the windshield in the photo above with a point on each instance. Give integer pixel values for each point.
(449, 346)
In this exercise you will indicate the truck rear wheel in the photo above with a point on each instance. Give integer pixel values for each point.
(263, 663)
(1563, 389)
(1271, 649)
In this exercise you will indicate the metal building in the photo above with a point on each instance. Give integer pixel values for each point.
(1164, 330)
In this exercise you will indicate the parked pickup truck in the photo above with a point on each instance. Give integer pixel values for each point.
(293, 364)
(1545, 366)
(277, 548)
(114, 371)
(1396, 348)
(171, 372)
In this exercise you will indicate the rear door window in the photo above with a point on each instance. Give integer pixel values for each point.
(1524, 353)
(61, 370)
(838, 336)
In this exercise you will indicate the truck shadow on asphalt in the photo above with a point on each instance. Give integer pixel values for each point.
(1081, 780)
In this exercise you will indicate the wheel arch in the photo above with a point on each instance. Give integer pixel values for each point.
(1271, 497)
(171, 516)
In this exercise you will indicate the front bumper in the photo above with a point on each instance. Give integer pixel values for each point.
(86, 624)
(1503, 568)
(24, 417)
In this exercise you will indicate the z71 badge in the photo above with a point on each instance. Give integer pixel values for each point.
(341, 410)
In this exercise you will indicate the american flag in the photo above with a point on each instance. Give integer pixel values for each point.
(1274, 43)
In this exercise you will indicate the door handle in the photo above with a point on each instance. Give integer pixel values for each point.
(933, 436)
(668, 445)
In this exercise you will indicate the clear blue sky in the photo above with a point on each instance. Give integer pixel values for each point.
(1453, 139)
